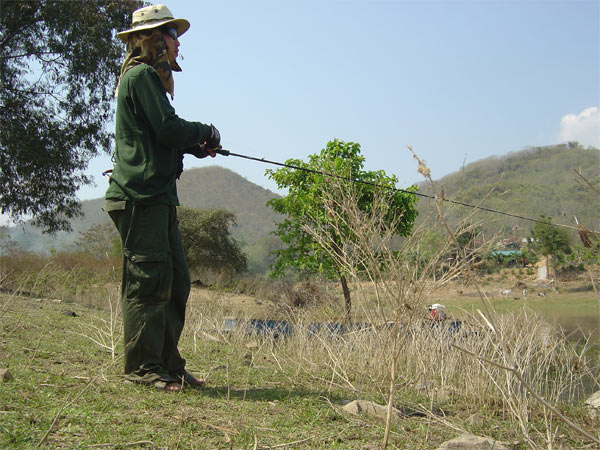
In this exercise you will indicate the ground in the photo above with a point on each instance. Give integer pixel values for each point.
(67, 389)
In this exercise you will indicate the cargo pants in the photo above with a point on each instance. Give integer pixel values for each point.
(154, 291)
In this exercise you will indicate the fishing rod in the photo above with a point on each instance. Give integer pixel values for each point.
(224, 152)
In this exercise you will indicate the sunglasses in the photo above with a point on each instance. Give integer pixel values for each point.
(171, 31)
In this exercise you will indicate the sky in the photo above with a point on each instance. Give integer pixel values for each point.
(458, 81)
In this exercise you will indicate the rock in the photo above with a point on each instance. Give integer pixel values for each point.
(593, 404)
(358, 407)
(471, 442)
(5, 375)
(209, 337)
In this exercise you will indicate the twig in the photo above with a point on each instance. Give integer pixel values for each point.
(288, 444)
(216, 427)
(388, 419)
(586, 181)
(127, 444)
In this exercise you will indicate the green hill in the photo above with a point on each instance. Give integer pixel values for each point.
(534, 181)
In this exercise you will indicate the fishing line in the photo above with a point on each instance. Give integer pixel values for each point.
(419, 194)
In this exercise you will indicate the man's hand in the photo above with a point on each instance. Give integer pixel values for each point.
(214, 139)
(198, 151)
(208, 147)
(211, 151)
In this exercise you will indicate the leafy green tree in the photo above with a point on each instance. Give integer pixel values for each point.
(550, 241)
(207, 241)
(59, 63)
(304, 205)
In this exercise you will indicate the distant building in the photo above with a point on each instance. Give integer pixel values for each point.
(510, 257)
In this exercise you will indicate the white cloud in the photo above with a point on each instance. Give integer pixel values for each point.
(583, 127)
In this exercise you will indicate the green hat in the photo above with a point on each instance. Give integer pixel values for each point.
(153, 17)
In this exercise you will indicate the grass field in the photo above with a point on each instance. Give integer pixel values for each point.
(67, 389)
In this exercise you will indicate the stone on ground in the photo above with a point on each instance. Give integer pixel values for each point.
(593, 404)
(358, 407)
(471, 442)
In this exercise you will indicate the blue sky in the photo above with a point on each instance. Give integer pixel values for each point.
(458, 81)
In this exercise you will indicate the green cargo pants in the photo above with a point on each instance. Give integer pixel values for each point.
(154, 290)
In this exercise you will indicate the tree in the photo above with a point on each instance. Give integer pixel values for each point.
(551, 241)
(59, 63)
(207, 241)
(308, 204)
(100, 241)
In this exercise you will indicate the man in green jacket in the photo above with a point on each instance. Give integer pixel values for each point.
(142, 198)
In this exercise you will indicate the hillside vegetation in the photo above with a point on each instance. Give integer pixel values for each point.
(531, 182)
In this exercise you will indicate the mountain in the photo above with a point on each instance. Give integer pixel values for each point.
(217, 187)
(531, 182)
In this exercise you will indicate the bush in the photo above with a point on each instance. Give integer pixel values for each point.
(61, 275)
(299, 296)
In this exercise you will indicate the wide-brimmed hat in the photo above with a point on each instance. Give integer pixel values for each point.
(153, 17)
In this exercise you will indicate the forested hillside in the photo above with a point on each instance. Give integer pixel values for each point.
(534, 181)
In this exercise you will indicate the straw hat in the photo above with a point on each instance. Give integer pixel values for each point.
(153, 17)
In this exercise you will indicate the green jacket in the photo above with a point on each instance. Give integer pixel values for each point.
(149, 140)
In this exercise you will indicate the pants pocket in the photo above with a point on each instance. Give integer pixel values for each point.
(149, 276)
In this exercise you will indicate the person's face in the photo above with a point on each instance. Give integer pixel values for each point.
(172, 42)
